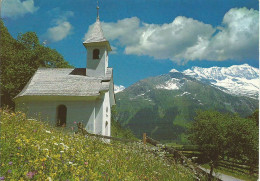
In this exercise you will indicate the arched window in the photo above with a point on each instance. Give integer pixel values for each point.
(61, 115)
(96, 54)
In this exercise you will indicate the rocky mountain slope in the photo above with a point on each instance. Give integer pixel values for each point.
(162, 106)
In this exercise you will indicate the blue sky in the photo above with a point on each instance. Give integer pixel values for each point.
(148, 37)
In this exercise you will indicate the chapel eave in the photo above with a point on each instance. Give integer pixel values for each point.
(97, 43)
(55, 97)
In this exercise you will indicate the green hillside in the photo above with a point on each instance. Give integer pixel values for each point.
(164, 114)
(33, 150)
(117, 130)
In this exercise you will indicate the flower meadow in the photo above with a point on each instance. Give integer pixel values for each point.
(34, 150)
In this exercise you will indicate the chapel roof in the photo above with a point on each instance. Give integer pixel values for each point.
(96, 34)
(65, 82)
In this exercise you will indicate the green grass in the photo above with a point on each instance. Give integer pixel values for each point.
(118, 131)
(33, 150)
(174, 144)
(235, 174)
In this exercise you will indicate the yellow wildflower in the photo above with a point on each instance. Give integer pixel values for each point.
(18, 141)
(43, 159)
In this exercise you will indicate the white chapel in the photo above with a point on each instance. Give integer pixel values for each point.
(63, 96)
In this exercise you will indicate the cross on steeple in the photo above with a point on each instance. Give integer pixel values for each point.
(97, 11)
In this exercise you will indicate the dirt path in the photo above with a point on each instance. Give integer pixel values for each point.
(222, 176)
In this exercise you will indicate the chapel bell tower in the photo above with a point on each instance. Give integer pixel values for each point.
(97, 51)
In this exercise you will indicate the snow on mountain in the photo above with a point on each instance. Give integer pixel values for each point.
(172, 84)
(184, 93)
(237, 79)
(118, 88)
(173, 70)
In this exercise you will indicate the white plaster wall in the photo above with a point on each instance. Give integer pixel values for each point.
(92, 112)
(106, 130)
(96, 67)
(103, 114)
(112, 93)
(106, 60)
(99, 115)
(78, 111)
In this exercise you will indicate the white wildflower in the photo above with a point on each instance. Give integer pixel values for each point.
(31, 119)
(47, 131)
(65, 146)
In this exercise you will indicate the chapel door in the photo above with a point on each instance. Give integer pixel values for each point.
(61, 115)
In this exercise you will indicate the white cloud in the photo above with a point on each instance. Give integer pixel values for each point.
(127, 31)
(61, 29)
(170, 40)
(114, 49)
(187, 39)
(238, 38)
(122, 30)
(59, 32)
(16, 8)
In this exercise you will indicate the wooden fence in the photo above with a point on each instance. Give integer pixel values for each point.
(180, 158)
(232, 165)
(239, 167)
(176, 155)
(82, 130)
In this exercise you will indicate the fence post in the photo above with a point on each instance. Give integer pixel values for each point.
(144, 138)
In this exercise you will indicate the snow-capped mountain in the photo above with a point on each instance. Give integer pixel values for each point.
(118, 88)
(237, 79)
(163, 105)
(172, 84)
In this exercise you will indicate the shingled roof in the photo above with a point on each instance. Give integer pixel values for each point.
(65, 82)
(96, 36)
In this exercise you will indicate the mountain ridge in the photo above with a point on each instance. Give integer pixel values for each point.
(163, 106)
(237, 79)
(242, 80)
